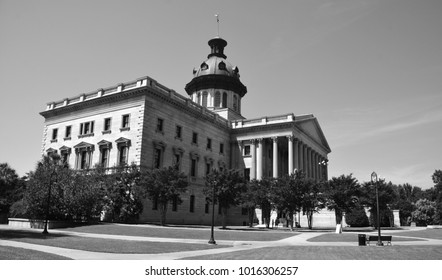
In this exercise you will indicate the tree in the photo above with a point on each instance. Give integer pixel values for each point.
(425, 212)
(288, 194)
(44, 196)
(123, 193)
(386, 195)
(258, 194)
(228, 186)
(83, 196)
(9, 184)
(312, 200)
(437, 179)
(406, 196)
(164, 186)
(341, 195)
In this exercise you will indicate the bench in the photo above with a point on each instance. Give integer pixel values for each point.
(373, 238)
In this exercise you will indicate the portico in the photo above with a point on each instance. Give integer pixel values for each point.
(278, 145)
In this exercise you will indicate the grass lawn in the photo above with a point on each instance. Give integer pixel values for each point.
(13, 253)
(333, 253)
(187, 233)
(426, 233)
(352, 237)
(99, 244)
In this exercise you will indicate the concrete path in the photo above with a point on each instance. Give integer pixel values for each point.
(297, 240)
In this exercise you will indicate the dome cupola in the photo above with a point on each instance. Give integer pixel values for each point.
(216, 84)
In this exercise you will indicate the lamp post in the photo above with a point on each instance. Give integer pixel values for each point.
(212, 238)
(374, 180)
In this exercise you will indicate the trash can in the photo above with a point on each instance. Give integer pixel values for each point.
(362, 238)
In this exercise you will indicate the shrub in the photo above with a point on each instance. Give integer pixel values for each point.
(357, 218)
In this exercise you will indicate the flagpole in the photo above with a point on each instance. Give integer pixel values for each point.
(217, 21)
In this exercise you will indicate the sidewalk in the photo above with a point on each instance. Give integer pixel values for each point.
(297, 240)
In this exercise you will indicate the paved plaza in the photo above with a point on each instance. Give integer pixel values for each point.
(300, 239)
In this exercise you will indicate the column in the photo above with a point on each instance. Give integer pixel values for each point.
(309, 162)
(296, 155)
(253, 158)
(275, 157)
(290, 151)
(316, 167)
(301, 155)
(239, 155)
(259, 160)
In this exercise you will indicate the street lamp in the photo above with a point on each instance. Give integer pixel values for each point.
(323, 164)
(54, 158)
(212, 238)
(374, 180)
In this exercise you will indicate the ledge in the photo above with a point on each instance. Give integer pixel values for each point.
(434, 226)
(38, 224)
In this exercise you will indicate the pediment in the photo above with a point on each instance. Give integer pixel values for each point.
(83, 145)
(310, 126)
(123, 140)
(104, 143)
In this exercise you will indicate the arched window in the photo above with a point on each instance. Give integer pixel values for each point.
(225, 100)
(217, 99)
(198, 99)
(235, 101)
(204, 99)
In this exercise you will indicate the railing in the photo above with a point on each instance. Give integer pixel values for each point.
(139, 83)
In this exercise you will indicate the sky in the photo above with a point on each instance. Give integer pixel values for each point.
(369, 70)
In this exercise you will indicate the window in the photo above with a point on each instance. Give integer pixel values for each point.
(64, 153)
(224, 100)
(206, 207)
(104, 147)
(87, 129)
(178, 132)
(123, 145)
(198, 99)
(217, 99)
(123, 155)
(193, 166)
(209, 144)
(84, 153)
(204, 66)
(195, 138)
(192, 204)
(84, 160)
(125, 121)
(160, 123)
(177, 156)
(177, 161)
(208, 168)
(157, 157)
(54, 135)
(155, 204)
(107, 124)
(67, 132)
(222, 66)
(194, 157)
(221, 148)
(247, 150)
(204, 99)
(175, 204)
(247, 174)
(235, 100)
(244, 211)
(104, 157)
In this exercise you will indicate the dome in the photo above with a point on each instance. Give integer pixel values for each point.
(216, 72)
(216, 66)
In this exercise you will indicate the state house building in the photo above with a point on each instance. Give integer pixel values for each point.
(145, 122)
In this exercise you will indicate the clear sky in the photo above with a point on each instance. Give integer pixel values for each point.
(369, 70)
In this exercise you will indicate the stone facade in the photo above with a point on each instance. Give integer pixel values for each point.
(153, 126)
